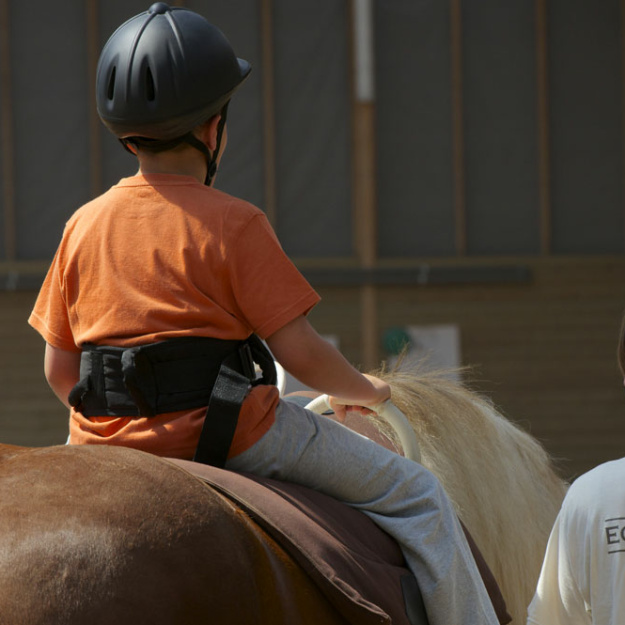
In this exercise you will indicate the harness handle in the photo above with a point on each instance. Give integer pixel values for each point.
(391, 414)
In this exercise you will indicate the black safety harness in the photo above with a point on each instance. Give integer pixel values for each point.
(172, 375)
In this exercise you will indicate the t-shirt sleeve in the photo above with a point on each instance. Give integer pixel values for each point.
(559, 599)
(268, 288)
(50, 316)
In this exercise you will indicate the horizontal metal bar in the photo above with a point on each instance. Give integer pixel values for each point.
(422, 275)
(20, 281)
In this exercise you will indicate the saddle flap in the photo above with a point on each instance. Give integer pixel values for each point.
(359, 568)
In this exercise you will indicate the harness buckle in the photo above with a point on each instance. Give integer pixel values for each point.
(247, 362)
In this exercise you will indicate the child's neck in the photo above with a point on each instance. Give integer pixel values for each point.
(179, 163)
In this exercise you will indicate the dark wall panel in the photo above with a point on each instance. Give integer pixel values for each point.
(3, 250)
(49, 72)
(414, 141)
(586, 84)
(52, 103)
(116, 162)
(500, 127)
(313, 127)
(241, 169)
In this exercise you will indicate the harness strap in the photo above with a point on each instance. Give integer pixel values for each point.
(229, 392)
(222, 416)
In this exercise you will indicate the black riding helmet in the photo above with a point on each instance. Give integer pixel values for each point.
(163, 73)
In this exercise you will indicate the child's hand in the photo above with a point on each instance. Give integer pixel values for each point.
(379, 392)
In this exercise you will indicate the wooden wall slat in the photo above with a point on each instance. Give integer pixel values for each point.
(623, 89)
(269, 112)
(92, 30)
(30, 414)
(542, 80)
(458, 128)
(6, 133)
(364, 168)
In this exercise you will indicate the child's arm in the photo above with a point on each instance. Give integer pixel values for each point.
(62, 370)
(316, 363)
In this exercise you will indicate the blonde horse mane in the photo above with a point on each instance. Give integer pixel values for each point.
(501, 481)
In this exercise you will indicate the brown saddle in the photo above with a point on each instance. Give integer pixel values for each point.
(360, 569)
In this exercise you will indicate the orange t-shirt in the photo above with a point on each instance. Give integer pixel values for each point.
(161, 256)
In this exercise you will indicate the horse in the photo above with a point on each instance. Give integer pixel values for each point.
(107, 534)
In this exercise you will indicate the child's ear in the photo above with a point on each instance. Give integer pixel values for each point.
(207, 132)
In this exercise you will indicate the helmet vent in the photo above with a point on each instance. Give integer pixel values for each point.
(111, 90)
(150, 91)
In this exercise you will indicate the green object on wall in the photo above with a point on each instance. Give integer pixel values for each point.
(395, 340)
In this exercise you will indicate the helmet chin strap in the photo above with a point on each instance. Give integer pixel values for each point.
(211, 159)
(156, 145)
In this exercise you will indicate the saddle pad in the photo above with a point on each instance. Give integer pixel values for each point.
(360, 569)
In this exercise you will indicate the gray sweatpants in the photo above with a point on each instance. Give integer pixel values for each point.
(399, 495)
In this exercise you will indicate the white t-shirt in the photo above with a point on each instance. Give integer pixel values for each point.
(583, 576)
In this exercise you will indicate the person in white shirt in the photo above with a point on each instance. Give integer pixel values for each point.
(583, 575)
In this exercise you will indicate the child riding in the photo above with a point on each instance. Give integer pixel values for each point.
(160, 287)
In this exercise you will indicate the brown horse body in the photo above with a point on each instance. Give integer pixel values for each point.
(111, 535)
(104, 534)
